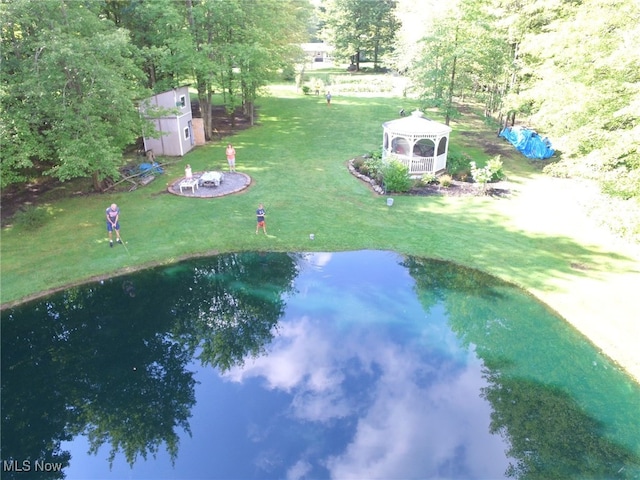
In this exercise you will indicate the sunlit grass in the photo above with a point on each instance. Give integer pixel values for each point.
(296, 156)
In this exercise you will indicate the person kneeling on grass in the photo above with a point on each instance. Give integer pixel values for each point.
(113, 223)
(260, 213)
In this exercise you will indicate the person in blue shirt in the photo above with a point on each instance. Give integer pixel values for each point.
(260, 213)
(113, 223)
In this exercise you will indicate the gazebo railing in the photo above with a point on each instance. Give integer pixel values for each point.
(421, 165)
(417, 164)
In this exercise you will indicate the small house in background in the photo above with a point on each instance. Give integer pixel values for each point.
(171, 113)
(318, 53)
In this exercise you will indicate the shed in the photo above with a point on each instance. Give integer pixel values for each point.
(174, 122)
(418, 142)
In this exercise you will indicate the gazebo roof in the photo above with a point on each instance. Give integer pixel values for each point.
(416, 124)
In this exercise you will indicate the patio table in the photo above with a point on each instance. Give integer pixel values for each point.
(191, 183)
(211, 179)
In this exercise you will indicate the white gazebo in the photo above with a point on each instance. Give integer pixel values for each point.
(421, 144)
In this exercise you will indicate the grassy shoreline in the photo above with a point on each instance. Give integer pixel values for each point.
(539, 239)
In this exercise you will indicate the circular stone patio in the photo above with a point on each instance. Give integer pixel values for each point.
(232, 182)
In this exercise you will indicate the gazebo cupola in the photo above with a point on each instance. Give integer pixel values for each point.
(419, 143)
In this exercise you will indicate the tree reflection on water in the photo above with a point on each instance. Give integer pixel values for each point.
(548, 391)
(109, 360)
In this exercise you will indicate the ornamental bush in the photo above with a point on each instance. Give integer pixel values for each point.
(373, 167)
(396, 177)
(428, 178)
(445, 181)
(357, 163)
(458, 163)
(495, 166)
(485, 174)
(376, 154)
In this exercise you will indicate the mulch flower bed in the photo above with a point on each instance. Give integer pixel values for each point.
(457, 188)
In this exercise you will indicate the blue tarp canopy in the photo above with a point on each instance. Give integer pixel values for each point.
(528, 142)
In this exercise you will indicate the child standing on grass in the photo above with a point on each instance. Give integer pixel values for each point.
(231, 157)
(260, 213)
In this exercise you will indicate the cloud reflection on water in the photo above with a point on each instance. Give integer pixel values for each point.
(417, 414)
(375, 366)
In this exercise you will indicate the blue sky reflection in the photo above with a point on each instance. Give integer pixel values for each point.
(393, 380)
(359, 383)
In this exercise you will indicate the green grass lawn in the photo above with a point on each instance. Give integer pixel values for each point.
(297, 156)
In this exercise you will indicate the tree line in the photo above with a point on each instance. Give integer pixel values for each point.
(74, 72)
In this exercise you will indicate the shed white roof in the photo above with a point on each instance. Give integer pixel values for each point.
(416, 124)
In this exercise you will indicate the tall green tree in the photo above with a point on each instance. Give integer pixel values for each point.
(240, 45)
(464, 54)
(359, 28)
(69, 90)
(583, 85)
(414, 17)
(273, 31)
(158, 30)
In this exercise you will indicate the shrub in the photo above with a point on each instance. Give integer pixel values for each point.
(306, 89)
(357, 163)
(417, 183)
(30, 217)
(495, 166)
(373, 167)
(458, 163)
(445, 180)
(465, 177)
(376, 154)
(483, 175)
(428, 178)
(396, 177)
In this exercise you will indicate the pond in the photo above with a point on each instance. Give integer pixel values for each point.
(328, 365)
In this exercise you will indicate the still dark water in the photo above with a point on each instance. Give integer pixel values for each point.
(355, 365)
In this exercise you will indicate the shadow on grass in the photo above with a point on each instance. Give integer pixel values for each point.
(468, 231)
(298, 156)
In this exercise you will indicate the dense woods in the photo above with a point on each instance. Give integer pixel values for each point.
(73, 72)
(568, 69)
